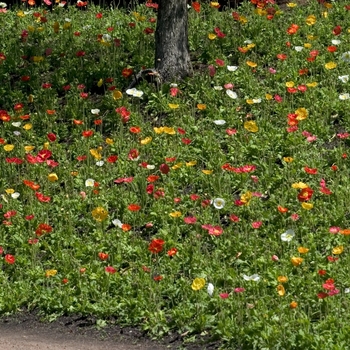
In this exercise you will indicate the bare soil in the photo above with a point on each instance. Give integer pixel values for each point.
(26, 331)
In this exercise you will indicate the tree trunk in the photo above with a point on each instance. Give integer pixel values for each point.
(172, 58)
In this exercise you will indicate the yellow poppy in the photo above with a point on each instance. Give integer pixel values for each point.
(173, 106)
(28, 148)
(49, 273)
(246, 197)
(100, 83)
(52, 177)
(117, 95)
(311, 20)
(338, 250)
(74, 173)
(290, 84)
(296, 261)
(303, 250)
(307, 206)
(268, 96)
(299, 185)
(146, 140)
(251, 64)
(198, 283)
(191, 163)
(301, 113)
(282, 279)
(27, 126)
(288, 159)
(313, 84)
(99, 214)
(109, 141)
(307, 45)
(9, 148)
(169, 131)
(291, 4)
(175, 214)
(280, 290)
(330, 65)
(201, 106)
(207, 172)
(176, 166)
(211, 36)
(158, 130)
(95, 153)
(10, 191)
(251, 126)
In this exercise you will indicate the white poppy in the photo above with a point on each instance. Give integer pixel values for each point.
(150, 166)
(232, 68)
(344, 78)
(100, 163)
(254, 278)
(218, 203)
(95, 111)
(247, 41)
(17, 133)
(346, 56)
(3, 4)
(210, 289)
(347, 290)
(15, 195)
(68, 20)
(231, 93)
(173, 85)
(298, 48)
(288, 235)
(218, 88)
(106, 37)
(17, 124)
(257, 100)
(336, 42)
(344, 97)
(220, 122)
(138, 93)
(117, 223)
(90, 183)
(134, 92)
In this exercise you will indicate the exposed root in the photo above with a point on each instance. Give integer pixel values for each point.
(150, 75)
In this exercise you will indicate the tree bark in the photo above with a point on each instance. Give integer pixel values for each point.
(172, 58)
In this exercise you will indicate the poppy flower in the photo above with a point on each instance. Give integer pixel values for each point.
(198, 284)
(305, 194)
(126, 72)
(172, 252)
(10, 259)
(134, 207)
(196, 6)
(337, 30)
(87, 133)
(292, 29)
(156, 246)
(133, 154)
(103, 256)
(110, 269)
(42, 198)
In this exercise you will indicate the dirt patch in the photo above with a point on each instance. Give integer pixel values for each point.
(26, 331)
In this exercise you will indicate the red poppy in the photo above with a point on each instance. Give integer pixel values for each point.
(332, 48)
(10, 214)
(14, 160)
(303, 71)
(337, 30)
(305, 194)
(325, 190)
(123, 179)
(134, 207)
(282, 56)
(164, 169)
(103, 256)
(311, 171)
(190, 220)
(99, 15)
(282, 209)
(98, 121)
(146, 269)
(87, 133)
(314, 53)
(126, 227)
(126, 72)
(135, 129)
(133, 154)
(42, 229)
(181, 131)
(10, 259)
(322, 272)
(170, 159)
(84, 95)
(112, 159)
(292, 29)
(157, 278)
(196, 6)
(29, 217)
(18, 106)
(150, 188)
(322, 295)
(148, 30)
(42, 198)
(51, 137)
(25, 78)
(46, 85)
(152, 178)
(172, 252)
(110, 269)
(156, 246)
(186, 141)
(215, 231)
(31, 184)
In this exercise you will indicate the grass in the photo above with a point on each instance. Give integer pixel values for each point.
(214, 205)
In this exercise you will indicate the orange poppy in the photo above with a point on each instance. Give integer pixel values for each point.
(282, 209)
(345, 232)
